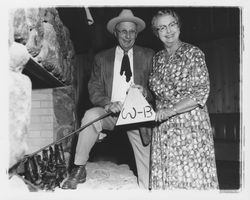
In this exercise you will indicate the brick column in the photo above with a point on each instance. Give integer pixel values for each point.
(52, 117)
(40, 130)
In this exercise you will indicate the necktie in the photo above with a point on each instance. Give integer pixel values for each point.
(126, 67)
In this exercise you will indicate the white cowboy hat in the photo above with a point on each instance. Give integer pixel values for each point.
(126, 15)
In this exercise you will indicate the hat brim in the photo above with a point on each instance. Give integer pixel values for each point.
(113, 22)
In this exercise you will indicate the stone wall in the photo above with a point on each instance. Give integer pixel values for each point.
(46, 39)
(19, 101)
(39, 34)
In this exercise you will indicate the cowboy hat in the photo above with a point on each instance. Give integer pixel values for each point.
(126, 15)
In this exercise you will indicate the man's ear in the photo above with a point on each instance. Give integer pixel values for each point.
(115, 33)
(136, 35)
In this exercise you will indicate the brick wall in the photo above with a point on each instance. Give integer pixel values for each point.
(40, 130)
(52, 117)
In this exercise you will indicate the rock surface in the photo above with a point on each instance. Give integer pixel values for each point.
(106, 175)
(46, 39)
(19, 102)
(19, 115)
(64, 116)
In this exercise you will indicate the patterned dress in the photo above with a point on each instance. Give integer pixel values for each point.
(182, 155)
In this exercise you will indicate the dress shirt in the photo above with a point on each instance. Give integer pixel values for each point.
(120, 86)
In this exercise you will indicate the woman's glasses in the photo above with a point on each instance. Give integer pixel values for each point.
(171, 26)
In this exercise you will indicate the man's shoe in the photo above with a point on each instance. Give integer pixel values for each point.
(77, 175)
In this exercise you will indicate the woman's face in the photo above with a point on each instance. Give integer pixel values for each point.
(168, 29)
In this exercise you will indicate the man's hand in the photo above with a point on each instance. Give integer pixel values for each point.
(114, 107)
(141, 89)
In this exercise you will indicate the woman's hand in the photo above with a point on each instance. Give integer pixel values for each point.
(164, 114)
(114, 107)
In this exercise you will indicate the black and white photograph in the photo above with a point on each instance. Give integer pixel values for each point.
(128, 100)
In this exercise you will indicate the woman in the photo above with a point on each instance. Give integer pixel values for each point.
(182, 154)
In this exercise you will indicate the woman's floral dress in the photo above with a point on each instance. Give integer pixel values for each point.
(182, 153)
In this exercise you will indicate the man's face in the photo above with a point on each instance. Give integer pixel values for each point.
(126, 33)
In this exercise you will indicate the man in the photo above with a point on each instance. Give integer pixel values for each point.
(114, 71)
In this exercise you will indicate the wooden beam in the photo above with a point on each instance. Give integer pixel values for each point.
(42, 75)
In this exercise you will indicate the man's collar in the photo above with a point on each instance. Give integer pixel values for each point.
(130, 51)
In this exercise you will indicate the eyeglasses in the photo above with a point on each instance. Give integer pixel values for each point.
(124, 32)
(171, 26)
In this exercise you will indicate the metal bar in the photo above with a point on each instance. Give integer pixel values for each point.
(69, 135)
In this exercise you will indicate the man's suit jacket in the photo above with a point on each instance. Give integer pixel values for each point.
(101, 80)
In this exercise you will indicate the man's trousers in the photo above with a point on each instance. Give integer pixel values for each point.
(89, 135)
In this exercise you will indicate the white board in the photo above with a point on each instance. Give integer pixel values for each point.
(135, 109)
